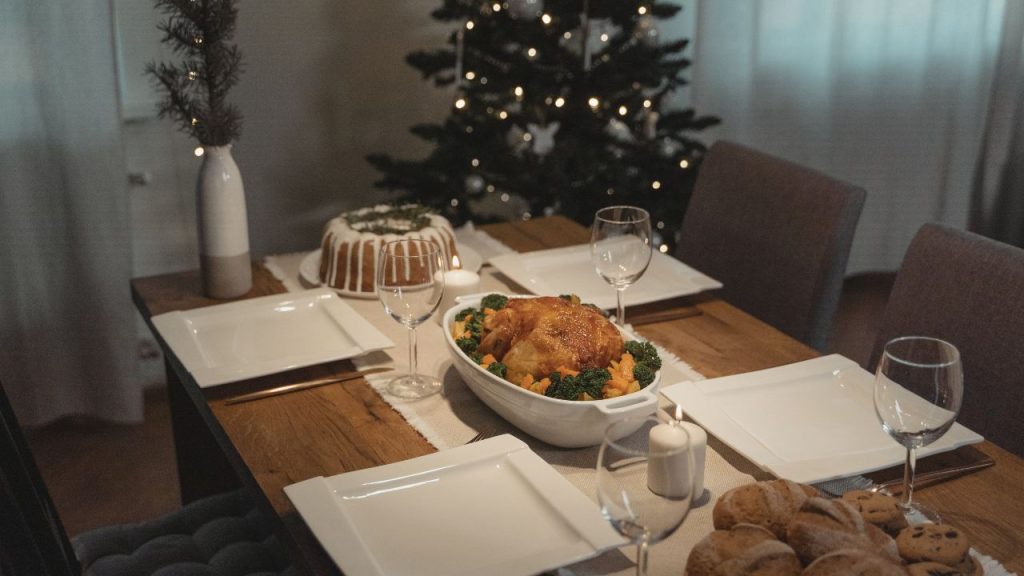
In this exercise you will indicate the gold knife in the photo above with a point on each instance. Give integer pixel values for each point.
(926, 478)
(277, 391)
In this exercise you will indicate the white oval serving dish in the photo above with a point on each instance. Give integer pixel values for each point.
(564, 423)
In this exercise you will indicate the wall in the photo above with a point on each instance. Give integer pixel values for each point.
(325, 83)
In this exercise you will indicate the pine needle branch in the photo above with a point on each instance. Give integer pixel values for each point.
(195, 88)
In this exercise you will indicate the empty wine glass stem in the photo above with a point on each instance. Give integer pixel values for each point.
(412, 351)
(908, 478)
(620, 310)
(641, 555)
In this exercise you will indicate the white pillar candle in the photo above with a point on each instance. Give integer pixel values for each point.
(698, 445)
(668, 468)
(457, 283)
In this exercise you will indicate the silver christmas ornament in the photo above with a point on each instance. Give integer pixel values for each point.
(601, 32)
(543, 137)
(474, 183)
(514, 139)
(619, 130)
(525, 9)
(669, 147)
(646, 30)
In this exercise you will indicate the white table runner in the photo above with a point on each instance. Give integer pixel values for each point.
(453, 417)
(456, 415)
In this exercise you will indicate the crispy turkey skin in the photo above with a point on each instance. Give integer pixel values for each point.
(539, 335)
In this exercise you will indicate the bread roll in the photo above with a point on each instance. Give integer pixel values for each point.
(770, 504)
(768, 558)
(853, 562)
(932, 569)
(822, 526)
(723, 545)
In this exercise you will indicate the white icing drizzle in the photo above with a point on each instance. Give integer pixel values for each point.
(339, 233)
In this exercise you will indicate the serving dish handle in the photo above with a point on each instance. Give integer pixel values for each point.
(635, 404)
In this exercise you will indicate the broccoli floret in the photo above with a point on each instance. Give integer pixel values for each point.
(592, 380)
(474, 326)
(563, 388)
(462, 314)
(644, 375)
(644, 353)
(493, 301)
(497, 368)
(467, 345)
(570, 298)
(589, 381)
(476, 357)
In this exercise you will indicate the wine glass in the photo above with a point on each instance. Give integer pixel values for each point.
(919, 387)
(620, 247)
(410, 283)
(645, 480)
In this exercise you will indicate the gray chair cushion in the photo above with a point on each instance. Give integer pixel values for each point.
(221, 535)
(775, 233)
(968, 290)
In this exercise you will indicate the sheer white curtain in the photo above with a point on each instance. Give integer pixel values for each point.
(891, 95)
(998, 209)
(66, 316)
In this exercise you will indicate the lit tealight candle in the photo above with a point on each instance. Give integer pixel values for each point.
(458, 283)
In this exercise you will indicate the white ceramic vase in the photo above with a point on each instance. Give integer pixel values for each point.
(223, 226)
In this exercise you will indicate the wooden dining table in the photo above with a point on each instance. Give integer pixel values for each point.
(268, 444)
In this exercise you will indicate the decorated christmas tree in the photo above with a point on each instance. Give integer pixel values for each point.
(558, 106)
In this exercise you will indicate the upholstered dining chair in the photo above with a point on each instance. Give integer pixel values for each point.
(776, 234)
(968, 290)
(218, 535)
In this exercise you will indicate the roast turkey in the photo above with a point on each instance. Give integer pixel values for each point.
(540, 335)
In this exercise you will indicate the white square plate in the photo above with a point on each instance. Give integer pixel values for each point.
(490, 507)
(259, 336)
(569, 270)
(809, 421)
